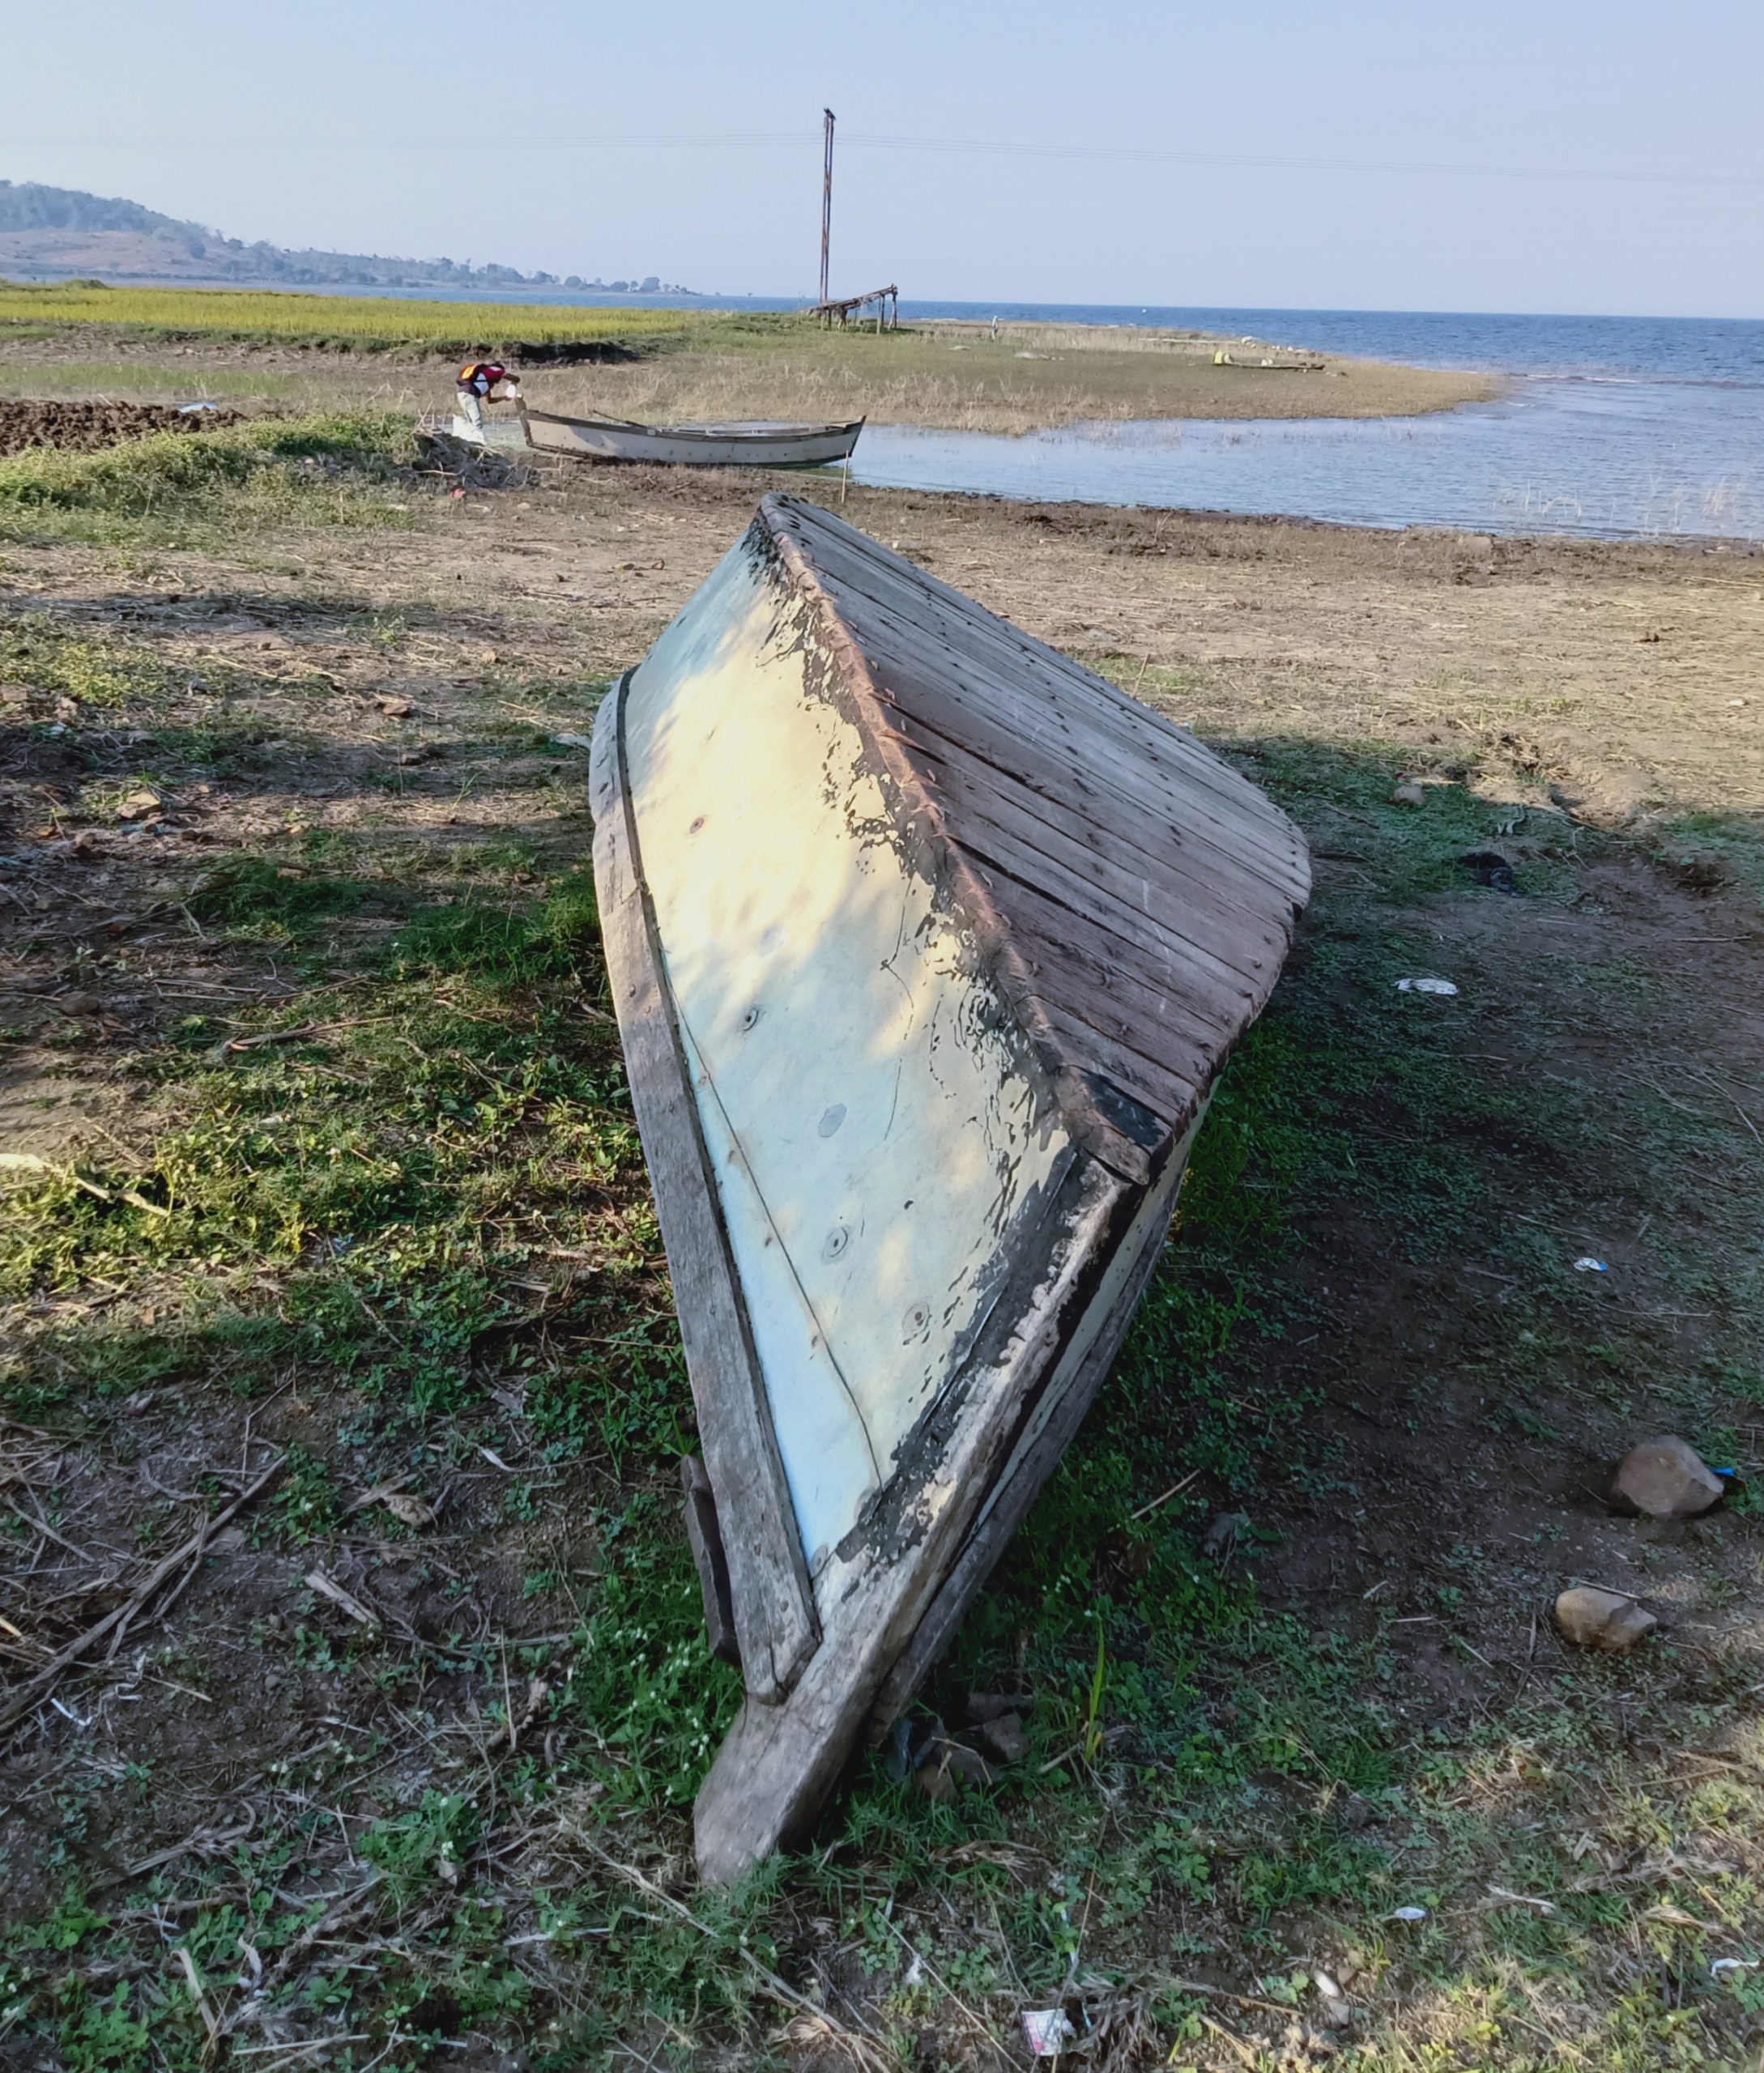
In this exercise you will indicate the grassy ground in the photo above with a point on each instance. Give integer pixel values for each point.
(342, 322)
(286, 350)
(959, 377)
(307, 1035)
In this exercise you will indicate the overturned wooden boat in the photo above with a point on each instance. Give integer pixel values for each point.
(926, 947)
(740, 445)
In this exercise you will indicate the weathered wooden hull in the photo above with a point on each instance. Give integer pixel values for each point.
(926, 946)
(694, 446)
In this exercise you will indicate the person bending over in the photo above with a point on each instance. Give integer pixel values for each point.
(483, 381)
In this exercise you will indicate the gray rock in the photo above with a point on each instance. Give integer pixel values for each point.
(1667, 1479)
(1222, 1535)
(948, 1765)
(1593, 1619)
(1095, 641)
(1004, 1737)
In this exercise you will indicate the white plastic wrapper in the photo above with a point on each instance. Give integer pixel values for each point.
(1047, 2032)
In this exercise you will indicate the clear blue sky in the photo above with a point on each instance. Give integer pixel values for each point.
(552, 136)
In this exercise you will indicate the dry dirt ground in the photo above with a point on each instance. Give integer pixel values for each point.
(1396, 1396)
(86, 428)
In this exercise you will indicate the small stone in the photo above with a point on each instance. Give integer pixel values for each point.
(948, 1764)
(991, 1705)
(1353, 1810)
(395, 708)
(1667, 1479)
(1337, 2009)
(1004, 1737)
(78, 1003)
(1592, 1619)
(1409, 793)
(933, 1779)
(1221, 1536)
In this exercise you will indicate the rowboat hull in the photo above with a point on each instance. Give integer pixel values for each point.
(694, 446)
(926, 946)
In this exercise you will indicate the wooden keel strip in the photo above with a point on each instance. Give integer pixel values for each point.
(772, 1602)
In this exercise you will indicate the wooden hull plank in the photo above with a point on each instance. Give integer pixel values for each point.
(778, 1762)
(1048, 1431)
(1054, 689)
(774, 1606)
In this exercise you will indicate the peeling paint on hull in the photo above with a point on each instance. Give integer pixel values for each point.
(877, 1136)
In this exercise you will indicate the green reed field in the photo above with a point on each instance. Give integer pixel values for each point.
(364, 322)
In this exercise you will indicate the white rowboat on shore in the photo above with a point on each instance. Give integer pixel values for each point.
(734, 445)
(926, 947)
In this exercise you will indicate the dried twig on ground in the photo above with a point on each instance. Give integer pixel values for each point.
(31, 1696)
(865, 2051)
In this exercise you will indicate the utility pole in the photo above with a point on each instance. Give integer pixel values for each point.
(826, 201)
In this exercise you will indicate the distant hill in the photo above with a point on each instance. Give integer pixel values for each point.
(52, 233)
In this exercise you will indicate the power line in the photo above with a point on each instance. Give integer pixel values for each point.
(1149, 155)
(967, 147)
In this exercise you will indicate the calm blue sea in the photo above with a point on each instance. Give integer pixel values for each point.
(1623, 427)
(1626, 427)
